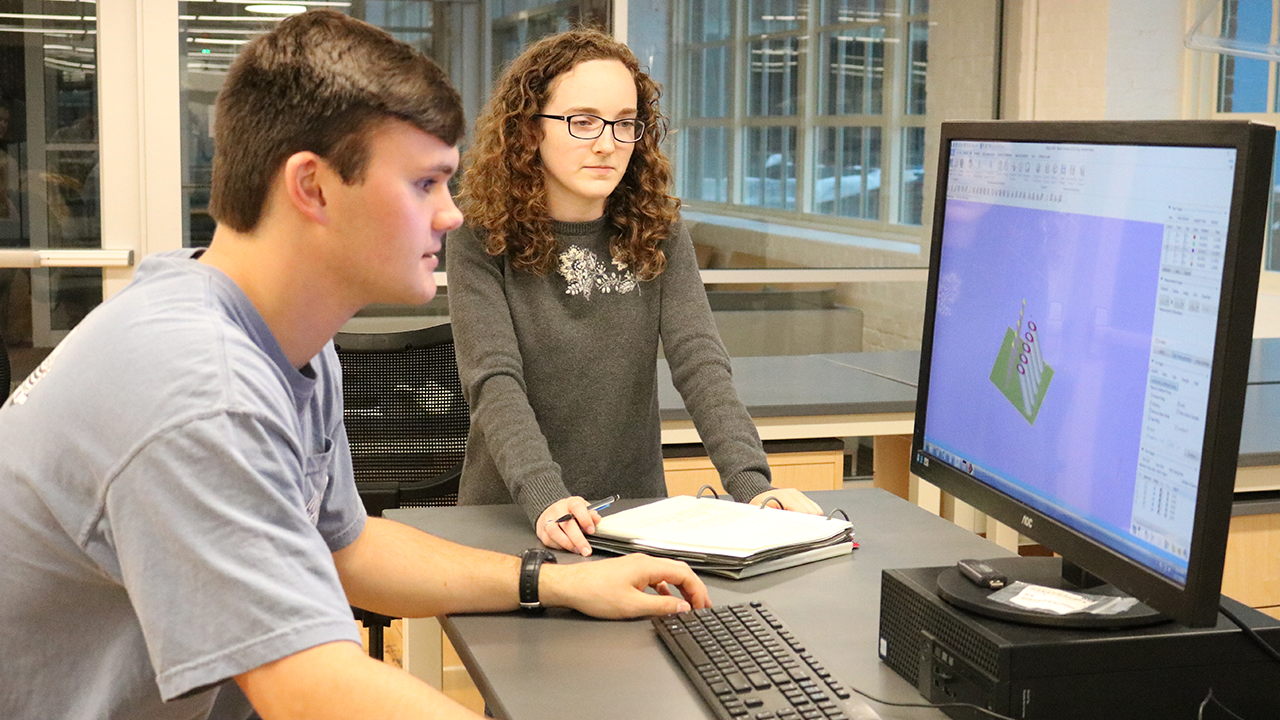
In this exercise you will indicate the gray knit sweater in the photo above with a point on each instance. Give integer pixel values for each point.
(560, 372)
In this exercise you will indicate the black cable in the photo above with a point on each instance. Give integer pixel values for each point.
(1251, 633)
(971, 706)
(1204, 703)
(1257, 640)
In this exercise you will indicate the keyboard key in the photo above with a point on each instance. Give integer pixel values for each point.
(737, 681)
(691, 649)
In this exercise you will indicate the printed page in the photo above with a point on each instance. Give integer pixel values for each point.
(716, 526)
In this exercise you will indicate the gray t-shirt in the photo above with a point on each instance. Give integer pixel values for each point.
(561, 372)
(173, 490)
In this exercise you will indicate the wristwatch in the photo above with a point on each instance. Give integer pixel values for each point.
(530, 565)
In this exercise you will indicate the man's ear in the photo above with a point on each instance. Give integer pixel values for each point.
(304, 176)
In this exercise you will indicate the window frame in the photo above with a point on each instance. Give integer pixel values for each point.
(1204, 79)
(808, 123)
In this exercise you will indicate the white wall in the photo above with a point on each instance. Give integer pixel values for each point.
(1106, 59)
(1145, 59)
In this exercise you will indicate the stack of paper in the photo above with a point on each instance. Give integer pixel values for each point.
(723, 537)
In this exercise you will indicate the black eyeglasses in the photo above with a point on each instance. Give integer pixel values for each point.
(590, 127)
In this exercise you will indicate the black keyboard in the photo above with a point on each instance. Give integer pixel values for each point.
(748, 666)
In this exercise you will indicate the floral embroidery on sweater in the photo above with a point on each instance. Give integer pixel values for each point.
(586, 273)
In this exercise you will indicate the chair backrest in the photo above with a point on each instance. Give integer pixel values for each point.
(5, 379)
(406, 418)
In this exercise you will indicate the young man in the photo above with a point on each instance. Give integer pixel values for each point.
(179, 509)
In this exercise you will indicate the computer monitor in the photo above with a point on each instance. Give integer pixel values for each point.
(1086, 342)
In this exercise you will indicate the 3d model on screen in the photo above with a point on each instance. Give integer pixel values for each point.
(1020, 371)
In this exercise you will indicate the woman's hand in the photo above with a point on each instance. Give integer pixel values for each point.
(568, 534)
(790, 498)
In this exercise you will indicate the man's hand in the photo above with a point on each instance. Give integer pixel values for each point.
(790, 498)
(569, 534)
(615, 588)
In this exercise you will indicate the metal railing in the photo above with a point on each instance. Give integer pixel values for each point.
(65, 258)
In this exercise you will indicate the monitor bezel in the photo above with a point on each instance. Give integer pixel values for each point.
(1196, 603)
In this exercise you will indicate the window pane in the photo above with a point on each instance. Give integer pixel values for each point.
(917, 64)
(706, 175)
(1242, 82)
(771, 16)
(848, 11)
(919, 7)
(708, 82)
(1242, 85)
(710, 20)
(911, 191)
(852, 72)
(210, 35)
(847, 181)
(71, 191)
(49, 172)
(399, 18)
(770, 173)
(773, 76)
(506, 47)
(541, 26)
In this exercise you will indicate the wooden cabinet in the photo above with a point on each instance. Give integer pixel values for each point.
(808, 464)
(808, 470)
(1251, 574)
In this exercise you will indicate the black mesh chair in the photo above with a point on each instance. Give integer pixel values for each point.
(5, 379)
(406, 422)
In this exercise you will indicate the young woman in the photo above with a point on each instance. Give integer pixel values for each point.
(572, 266)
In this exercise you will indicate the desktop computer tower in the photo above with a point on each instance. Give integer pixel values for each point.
(1159, 672)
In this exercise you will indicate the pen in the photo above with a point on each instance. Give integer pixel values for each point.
(597, 505)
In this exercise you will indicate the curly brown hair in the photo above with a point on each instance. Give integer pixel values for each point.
(503, 189)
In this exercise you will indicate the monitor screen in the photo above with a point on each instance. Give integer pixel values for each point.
(1087, 333)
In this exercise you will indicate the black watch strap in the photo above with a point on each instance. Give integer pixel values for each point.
(530, 566)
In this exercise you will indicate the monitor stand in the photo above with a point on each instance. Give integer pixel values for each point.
(1048, 571)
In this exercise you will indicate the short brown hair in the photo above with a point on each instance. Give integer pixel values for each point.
(320, 81)
(504, 190)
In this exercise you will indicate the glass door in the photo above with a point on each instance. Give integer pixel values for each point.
(50, 210)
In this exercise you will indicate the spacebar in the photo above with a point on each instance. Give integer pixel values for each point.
(691, 648)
